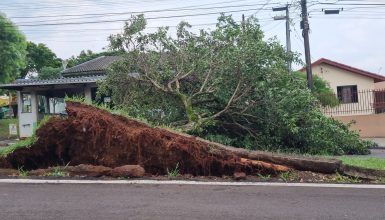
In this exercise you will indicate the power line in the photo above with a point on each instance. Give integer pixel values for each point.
(352, 4)
(74, 5)
(143, 12)
(184, 8)
(120, 20)
(115, 29)
(153, 27)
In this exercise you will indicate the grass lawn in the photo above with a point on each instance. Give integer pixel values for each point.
(4, 127)
(372, 163)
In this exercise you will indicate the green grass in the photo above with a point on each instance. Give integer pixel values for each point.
(289, 176)
(4, 127)
(58, 171)
(20, 144)
(338, 178)
(372, 163)
(4, 151)
(173, 172)
(265, 177)
(22, 172)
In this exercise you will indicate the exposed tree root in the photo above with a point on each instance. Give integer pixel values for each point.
(93, 136)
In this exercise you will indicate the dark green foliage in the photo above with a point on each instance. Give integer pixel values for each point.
(39, 56)
(228, 85)
(49, 72)
(12, 50)
(322, 90)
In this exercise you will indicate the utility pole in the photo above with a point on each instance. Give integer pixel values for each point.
(288, 42)
(305, 34)
(287, 18)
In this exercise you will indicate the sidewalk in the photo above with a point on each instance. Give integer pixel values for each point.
(7, 142)
(379, 141)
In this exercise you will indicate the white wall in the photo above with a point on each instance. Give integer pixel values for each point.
(27, 121)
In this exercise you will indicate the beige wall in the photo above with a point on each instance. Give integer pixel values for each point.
(369, 126)
(379, 85)
(338, 77)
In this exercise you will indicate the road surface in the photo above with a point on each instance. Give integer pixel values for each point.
(135, 201)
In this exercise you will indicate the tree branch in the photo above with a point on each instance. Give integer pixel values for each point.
(229, 102)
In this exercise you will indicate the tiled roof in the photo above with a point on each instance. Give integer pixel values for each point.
(56, 81)
(96, 66)
(376, 77)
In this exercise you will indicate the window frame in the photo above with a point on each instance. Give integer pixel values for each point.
(353, 91)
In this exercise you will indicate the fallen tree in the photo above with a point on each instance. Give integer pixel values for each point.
(228, 85)
(90, 135)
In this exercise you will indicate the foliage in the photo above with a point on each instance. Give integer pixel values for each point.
(12, 50)
(39, 56)
(28, 142)
(173, 172)
(322, 90)
(228, 85)
(49, 72)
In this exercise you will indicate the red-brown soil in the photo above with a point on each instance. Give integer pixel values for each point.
(90, 135)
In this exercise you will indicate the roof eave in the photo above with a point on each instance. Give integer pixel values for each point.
(375, 77)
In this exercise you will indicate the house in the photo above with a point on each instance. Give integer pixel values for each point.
(361, 97)
(353, 87)
(37, 98)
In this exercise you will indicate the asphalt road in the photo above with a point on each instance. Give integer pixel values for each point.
(96, 201)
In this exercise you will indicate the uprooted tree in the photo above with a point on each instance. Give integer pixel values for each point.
(98, 137)
(227, 85)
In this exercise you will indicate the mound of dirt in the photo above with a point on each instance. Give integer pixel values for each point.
(90, 135)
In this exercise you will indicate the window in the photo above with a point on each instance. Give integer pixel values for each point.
(57, 105)
(347, 94)
(26, 103)
(41, 104)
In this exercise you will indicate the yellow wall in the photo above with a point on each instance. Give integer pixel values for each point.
(339, 77)
(369, 126)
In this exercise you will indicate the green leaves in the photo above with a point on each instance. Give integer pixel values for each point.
(39, 56)
(228, 85)
(12, 50)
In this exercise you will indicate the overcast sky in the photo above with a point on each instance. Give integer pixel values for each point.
(354, 37)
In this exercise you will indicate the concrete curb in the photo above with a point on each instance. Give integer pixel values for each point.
(181, 182)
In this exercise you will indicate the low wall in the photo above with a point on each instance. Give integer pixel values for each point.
(369, 126)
